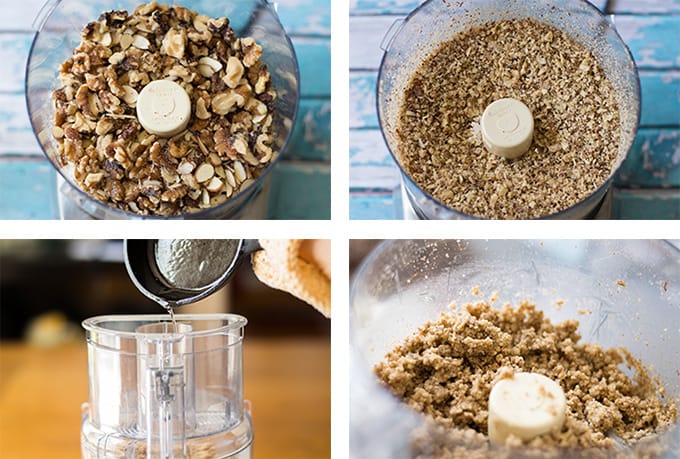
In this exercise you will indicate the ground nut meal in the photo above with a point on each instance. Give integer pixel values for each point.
(447, 368)
(576, 121)
(227, 143)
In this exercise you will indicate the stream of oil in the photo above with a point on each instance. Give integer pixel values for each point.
(193, 264)
(171, 312)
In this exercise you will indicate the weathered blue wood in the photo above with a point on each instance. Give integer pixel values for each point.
(13, 53)
(19, 16)
(316, 19)
(300, 190)
(654, 161)
(372, 206)
(365, 35)
(372, 166)
(627, 204)
(660, 98)
(646, 6)
(314, 59)
(312, 133)
(653, 40)
(366, 7)
(16, 135)
(362, 108)
(297, 16)
(646, 204)
(28, 190)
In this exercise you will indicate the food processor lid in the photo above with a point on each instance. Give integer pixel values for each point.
(173, 272)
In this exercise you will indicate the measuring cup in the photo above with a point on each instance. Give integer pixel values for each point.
(174, 272)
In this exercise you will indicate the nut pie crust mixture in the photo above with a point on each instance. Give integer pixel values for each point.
(447, 368)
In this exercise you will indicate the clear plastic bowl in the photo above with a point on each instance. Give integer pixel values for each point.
(58, 28)
(404, 283)
(408, 43)
(160, 392)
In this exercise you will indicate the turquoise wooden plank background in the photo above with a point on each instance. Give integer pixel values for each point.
(648, 185)
(300, 185)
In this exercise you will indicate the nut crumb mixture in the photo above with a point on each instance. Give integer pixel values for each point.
(227, 143)
(576, 134)
(447, 368)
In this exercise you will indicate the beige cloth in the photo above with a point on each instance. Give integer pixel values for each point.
(280, 267)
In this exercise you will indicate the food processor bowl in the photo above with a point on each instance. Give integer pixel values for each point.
(160, 390)
(411, 40)
(623, 293)
(58, 28)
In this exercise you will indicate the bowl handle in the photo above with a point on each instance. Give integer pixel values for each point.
(44, 13)
(391, 33)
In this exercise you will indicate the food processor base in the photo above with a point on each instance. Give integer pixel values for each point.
(404, 209)
(70, 210)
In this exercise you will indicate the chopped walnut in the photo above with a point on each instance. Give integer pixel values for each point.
(251, 51)
(226, 102)
(114, 159)
(234, 72)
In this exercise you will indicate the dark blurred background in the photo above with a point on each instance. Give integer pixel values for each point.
(50, 286)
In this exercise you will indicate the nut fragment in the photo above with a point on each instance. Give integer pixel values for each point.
(140, 42)
(173, 43)
(204, 172)
(126, 41)
(93, 178)
(226, 102)
(104, 125)
(106, 40)
(201, 110)
(185, 167)
(94, 104)
(229, 176)
(234, 72)
(239, 171)
(208, 66)
(246, 184)
(130, 96)
(215, 185)
(116, 58)
(201, 22)
(251, 50)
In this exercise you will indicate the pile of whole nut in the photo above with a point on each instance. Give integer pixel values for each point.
(227, 143)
